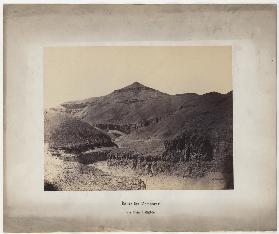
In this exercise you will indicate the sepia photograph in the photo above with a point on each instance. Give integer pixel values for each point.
(138, 118)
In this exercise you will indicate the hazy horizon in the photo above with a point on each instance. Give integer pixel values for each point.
(77, 73)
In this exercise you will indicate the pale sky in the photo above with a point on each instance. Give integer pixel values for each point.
(76, 73)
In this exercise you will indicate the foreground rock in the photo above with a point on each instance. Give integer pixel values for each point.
(63, 175)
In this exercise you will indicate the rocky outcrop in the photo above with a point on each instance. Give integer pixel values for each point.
(188, 147)
(128, 128)
(63, 175)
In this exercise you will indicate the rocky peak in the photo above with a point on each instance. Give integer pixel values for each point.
(136, 86)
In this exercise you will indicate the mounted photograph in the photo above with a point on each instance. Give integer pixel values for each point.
(138, 118)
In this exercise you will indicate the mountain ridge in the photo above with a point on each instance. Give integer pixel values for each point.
(148, 112)
(136, 86)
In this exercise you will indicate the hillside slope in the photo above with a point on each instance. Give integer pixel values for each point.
(148, 112)
(62, 131)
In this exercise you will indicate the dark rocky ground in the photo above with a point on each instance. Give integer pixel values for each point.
(140, 138)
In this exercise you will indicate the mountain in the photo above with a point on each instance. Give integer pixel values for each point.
(185, 134)
(152, 113)
(131, 104)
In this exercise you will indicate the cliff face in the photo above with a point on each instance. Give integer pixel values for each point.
(190, 146)
(206, 136)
